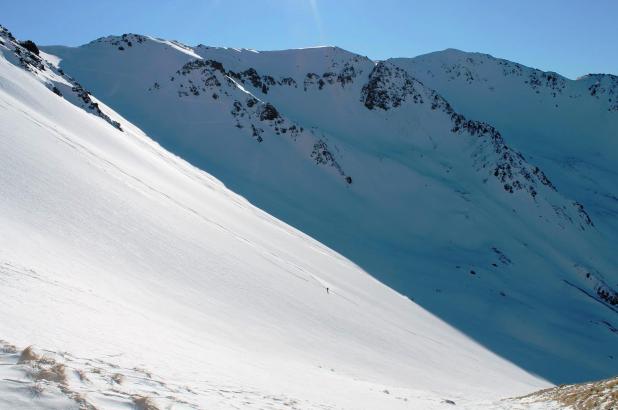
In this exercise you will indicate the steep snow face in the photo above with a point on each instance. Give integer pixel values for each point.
(368, 159)
(568, 127)
(136, 263)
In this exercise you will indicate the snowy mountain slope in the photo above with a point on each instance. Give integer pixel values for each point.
(137, 275)
(436, 205)
(568, 127)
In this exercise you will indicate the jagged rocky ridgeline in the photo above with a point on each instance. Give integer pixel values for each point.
(483, 70)
(387, 87)
(27, 55)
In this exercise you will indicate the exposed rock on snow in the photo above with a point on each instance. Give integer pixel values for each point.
(55, 78)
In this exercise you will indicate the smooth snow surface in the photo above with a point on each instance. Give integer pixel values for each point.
(117, 257)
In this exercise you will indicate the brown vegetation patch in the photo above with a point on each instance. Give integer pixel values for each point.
(144, 403)
(601, 395)
(28, 355)
(55, 373)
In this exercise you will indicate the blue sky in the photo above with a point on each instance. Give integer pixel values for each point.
(572, 37)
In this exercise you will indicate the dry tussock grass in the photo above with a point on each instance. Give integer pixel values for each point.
(601, 395)
(144, 403)
(55, 373)
(28, 355)
(42, 367)
(79, 398)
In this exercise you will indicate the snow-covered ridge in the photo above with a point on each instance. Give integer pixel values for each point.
(294, 62)
(472, 68)
(536, 112)
(127, 40)
(53, 77)
(603, 85)
(215, 82)
(387, 87)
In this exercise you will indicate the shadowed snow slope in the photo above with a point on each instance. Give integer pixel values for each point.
(112, 247)
(373, 163)
(568, 127)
